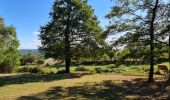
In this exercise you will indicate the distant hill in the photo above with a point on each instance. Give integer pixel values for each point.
(26, 51)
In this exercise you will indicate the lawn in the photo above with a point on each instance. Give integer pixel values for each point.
(78, 86)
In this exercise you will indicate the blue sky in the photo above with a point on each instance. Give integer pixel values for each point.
(28, 15)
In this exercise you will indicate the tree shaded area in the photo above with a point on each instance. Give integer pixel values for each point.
(30, 78)
(106, 90)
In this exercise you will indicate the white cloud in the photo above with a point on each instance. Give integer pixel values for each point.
(36, 33)
(37, 42)
(34, 44)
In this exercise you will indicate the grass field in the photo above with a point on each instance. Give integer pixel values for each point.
(130, 83)
(79, 87)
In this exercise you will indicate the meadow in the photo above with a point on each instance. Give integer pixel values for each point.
(129, 83)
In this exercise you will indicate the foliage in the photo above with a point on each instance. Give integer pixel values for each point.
(40, 62)
(72, 32)
(98, 70)
(9, 54)
(31, 59)
(81, 69)
(147, 29)
(28, 59)
(37, 69)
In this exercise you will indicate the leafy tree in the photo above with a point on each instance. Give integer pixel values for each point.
(110, 51)
(29, 59)
(140, 21)
(73, 25)
(9, 54)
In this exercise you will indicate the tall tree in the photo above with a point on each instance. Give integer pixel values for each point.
(9, 54)
(140, 21)
(73, 25)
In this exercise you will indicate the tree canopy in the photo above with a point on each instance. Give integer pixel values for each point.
(142, 21)
(9, 54)
(73, 28)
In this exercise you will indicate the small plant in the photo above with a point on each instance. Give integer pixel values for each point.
(47, 64)
(98, 70)
(61, 72)
(40, 62)
(81, 69)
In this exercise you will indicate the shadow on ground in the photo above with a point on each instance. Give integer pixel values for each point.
(29, 78)
(107, 90)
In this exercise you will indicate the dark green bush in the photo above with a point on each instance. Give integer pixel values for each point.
(81, 69)
(30, 69)
(6, 67)
(61, 72)
(37, 69)
(40, 62)
(24, 69)
(47, 64)
(98, 70)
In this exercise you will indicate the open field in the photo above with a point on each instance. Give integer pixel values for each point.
(80, 87)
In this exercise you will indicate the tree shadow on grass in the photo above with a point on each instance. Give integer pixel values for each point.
(137, 89)
(29, 78)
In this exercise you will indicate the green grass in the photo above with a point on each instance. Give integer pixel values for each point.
(77, 87)
(130, 83)
(138, 70)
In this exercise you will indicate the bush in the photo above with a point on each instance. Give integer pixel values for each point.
(47, 64)
(61, 72)
(30, 69)
(38, 70)
(24, 69)
(6, 67)
(98, 70)
(28, 59)
(40, 62)
(81, 69)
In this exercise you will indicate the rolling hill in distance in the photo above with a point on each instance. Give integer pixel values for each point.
(26, 51)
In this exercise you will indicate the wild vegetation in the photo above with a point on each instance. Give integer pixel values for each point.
(9, 54)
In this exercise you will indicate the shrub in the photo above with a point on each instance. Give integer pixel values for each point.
(98, 70)
(38, 70)
(40, 62)
(24, 69)
(6, 67)
(47, 64)
(81, 69)
(61, 72)
(28, 59)
(112, 66)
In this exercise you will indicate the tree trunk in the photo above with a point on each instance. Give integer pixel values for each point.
(169, 58)
(67, 43)
(150, 79)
